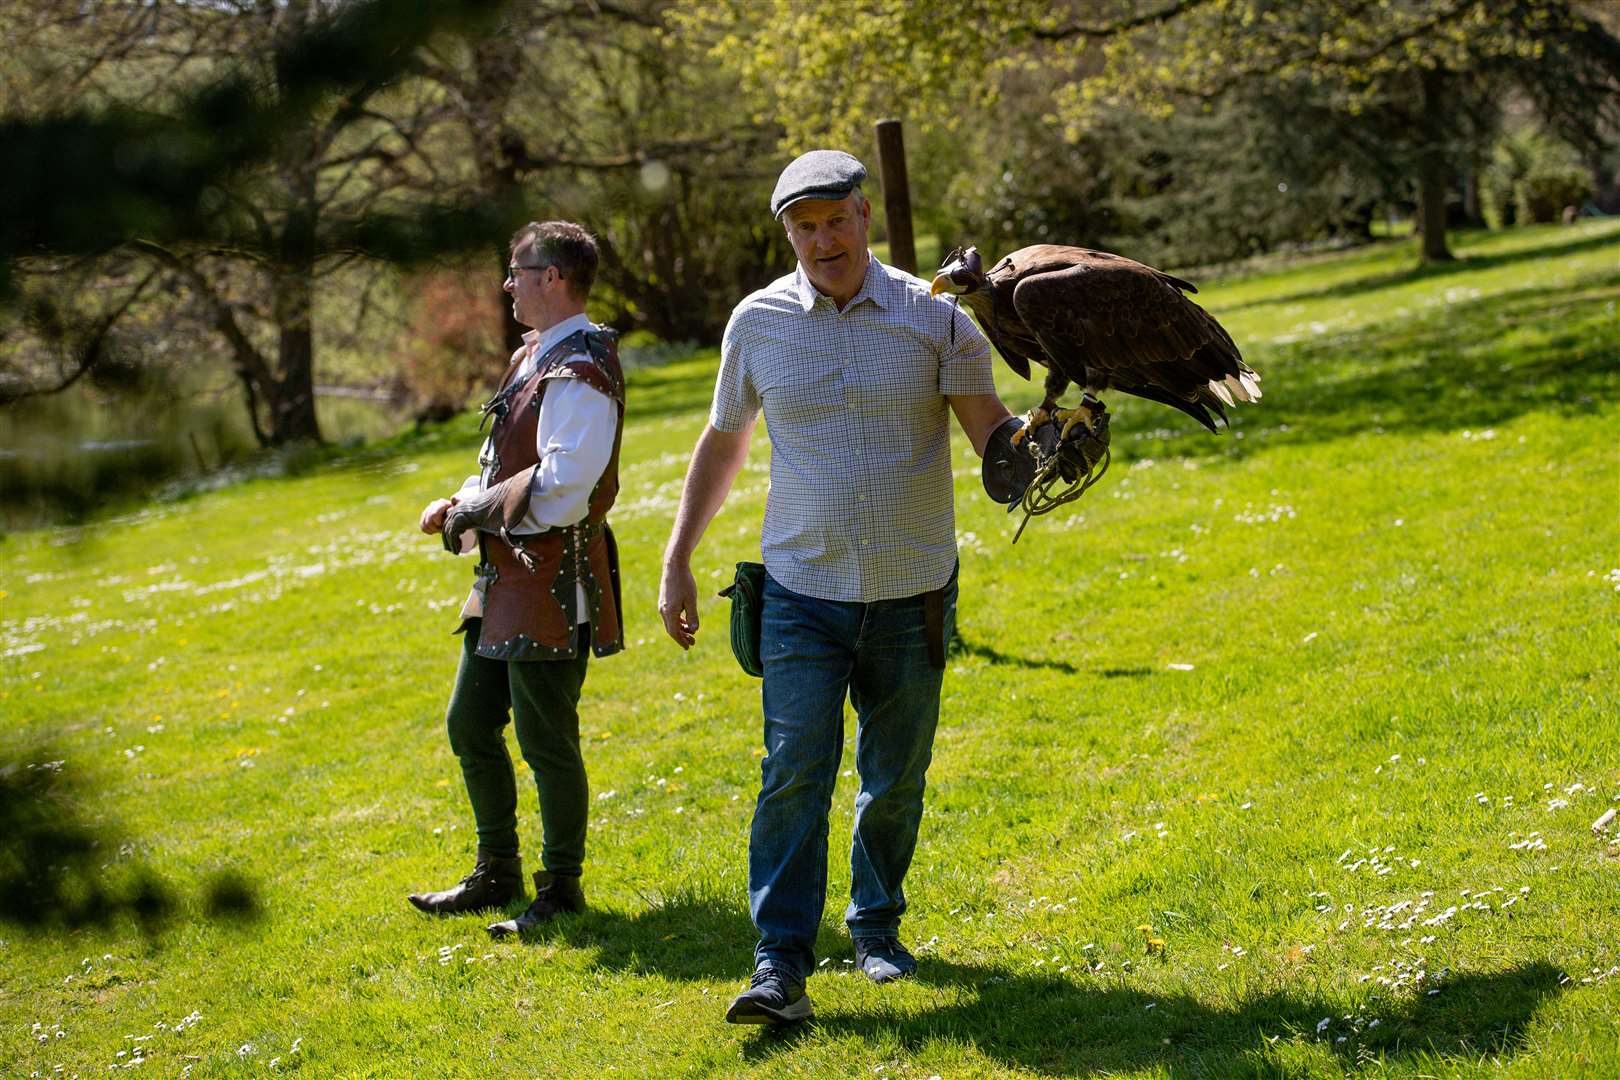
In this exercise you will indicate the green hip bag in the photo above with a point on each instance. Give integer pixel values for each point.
(747, 594)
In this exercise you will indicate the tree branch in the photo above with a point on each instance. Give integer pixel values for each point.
(250, 363)
(1310, 54)
(1114, 29)
(89, 354)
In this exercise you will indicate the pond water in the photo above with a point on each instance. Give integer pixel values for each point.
(63, 456)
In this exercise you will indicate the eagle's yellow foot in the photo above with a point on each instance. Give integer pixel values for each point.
(1032, 420)
(1071, 417)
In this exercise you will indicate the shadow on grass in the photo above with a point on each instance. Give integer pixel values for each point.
(59, 872)
(1063, 1028)
(961, 646)
(682, 937)
(1466, 264)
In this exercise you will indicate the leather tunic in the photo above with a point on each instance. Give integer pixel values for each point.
(532, 614)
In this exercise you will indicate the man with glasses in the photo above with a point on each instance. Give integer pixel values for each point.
(546, 594)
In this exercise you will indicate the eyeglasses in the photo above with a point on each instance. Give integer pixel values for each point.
(512, 271)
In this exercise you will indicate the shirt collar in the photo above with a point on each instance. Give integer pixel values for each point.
(538, 341)
(875, 288)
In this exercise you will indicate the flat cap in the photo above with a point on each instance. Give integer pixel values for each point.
(818, 174)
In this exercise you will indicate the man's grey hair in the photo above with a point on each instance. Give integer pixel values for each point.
(855, 193)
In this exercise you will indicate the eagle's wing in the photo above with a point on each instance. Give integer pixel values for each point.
(1012, 347)
(1111, 323)
(1016, 342)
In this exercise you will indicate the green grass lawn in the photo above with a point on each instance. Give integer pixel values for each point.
(1327, 702)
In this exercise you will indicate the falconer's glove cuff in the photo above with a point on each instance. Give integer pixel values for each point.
(497, 509)
(1008, 467)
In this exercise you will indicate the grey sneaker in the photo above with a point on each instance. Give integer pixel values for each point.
(773, 996)
(884, 959)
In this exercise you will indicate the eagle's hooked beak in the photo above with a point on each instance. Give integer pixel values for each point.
(962, 272)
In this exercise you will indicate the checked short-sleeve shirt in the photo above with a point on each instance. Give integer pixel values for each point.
(860, 505)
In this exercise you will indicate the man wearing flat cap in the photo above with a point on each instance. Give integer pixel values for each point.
(857, 369)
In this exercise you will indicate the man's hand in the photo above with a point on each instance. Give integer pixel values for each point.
(496, 509)
(716, 460)
(677, 602)
(433, 515)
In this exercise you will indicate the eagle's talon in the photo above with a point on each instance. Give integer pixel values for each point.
(1032, 420)
(1071, 417)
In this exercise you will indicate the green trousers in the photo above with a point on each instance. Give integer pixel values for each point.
(542, 697)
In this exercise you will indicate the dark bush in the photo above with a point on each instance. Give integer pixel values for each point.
(1542, 195)
(1517, 156)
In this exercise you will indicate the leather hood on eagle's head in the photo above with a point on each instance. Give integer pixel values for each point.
(961, 272)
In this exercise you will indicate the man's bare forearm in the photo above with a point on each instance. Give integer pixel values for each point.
(979, 415)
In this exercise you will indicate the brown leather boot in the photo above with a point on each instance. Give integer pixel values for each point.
(492, 884)
(553, 895)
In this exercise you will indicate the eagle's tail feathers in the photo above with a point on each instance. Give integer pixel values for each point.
(1244, 386)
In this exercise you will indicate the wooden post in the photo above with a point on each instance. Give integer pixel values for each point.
(896, 195)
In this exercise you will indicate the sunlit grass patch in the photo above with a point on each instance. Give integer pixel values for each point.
(1326, 703)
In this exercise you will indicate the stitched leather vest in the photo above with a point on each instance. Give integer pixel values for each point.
(532, 615)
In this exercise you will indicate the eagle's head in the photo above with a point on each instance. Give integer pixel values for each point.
(961, 273)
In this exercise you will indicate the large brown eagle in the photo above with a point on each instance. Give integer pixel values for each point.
(1105, 322)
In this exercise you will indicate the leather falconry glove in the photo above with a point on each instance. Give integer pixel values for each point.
(1007, 469)
(1076, 455)
(497, 510)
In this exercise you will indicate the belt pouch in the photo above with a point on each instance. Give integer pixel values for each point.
(747, 595)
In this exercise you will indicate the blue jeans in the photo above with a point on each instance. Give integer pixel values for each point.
(816, 651)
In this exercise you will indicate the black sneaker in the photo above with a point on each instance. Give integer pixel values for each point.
(884, 959)
(773, 996)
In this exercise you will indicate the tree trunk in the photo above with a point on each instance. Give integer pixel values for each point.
(1606, 193)
(291, 399)
(289, 392)
(1434, 172)
(496, 65)
(1432, 184)
(290, 395)
(1471, 209)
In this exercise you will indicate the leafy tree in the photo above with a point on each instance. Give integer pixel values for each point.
(605, 112)
(1417, 80)
(453, 318)
(246, 156)
(1516, 156)
(246, 151)
(1420, 81)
